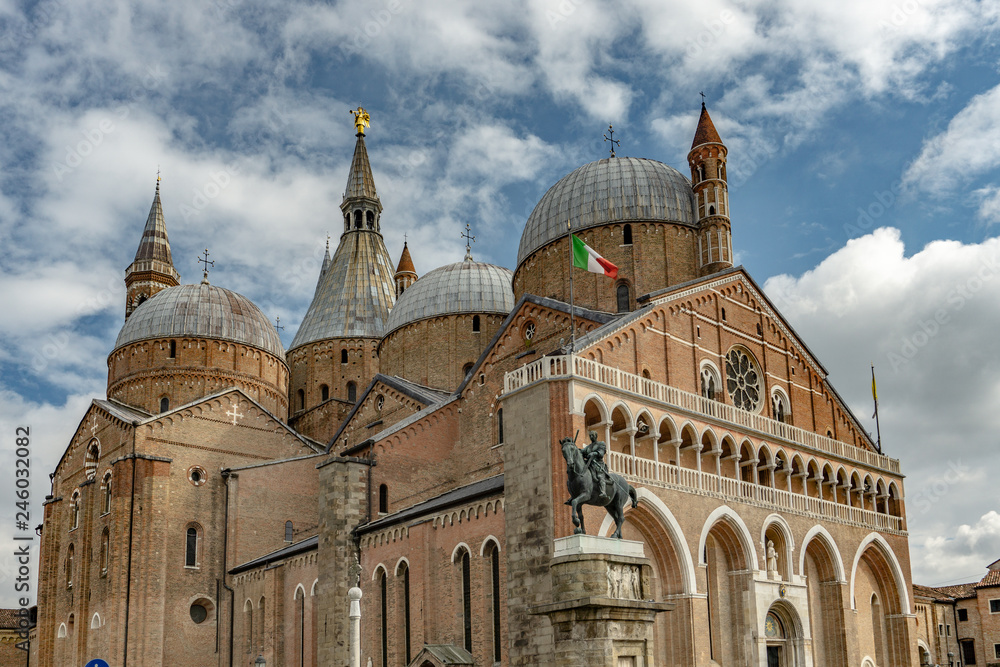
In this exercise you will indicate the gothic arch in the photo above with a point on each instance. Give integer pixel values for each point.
(781, 525)
(399, 563)
(823, 535)
(457, 552)
(375, 571)
(878, 543)
(489, 539)
(728, 516)
(669, 524)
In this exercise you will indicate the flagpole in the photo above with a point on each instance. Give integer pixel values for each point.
(878, 431)
(572, 313)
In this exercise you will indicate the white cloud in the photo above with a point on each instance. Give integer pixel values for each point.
(967, 551)
(989, 204)
(928, 322)
(968, 148)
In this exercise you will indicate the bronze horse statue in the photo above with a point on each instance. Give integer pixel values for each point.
(584, 489)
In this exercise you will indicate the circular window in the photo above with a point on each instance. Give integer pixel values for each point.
(743, 380)
(379, 402)
(196, 475)
(198, 613)
(529, 331)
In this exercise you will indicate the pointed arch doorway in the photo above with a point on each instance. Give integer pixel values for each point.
(783, 645)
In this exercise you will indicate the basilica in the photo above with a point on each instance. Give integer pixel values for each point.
(229, 498)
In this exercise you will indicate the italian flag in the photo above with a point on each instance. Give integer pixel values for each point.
(585, 258)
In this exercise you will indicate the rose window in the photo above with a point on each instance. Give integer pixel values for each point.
(742, 380)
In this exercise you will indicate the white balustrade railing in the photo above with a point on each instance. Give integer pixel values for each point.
(578, 367)
(653, 473)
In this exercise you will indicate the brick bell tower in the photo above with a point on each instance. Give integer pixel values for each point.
(152, 269)
(707, 160)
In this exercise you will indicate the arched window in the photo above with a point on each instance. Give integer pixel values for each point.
(352, 392)
(371, 219)
(173, 349)
(343, 356)
(779, 406)
(467, 600)
(383, 499)
(711, 210)
(701, 173)
(347, 222)
(722, 172)
(710, 382)
(466, 369)
(622, 293)
(475, 323)
(300, 611)
(74, 522)
(404, 572)
(105, 548)
(248, 614)
(627, 235)
(495, 580)
(289, 531)
(107, 493)
(69, 566)
(500, 426)
(191, 547)
(164, 404)
(383, 590)
(358, 219)
(324, 392)
(302, 399)
(723, 314)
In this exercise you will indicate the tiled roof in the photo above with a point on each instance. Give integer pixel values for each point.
(706, 133)
(958, 591)
(992, 578)
(202, 311)
(482, 488)
(154, 243)
(929, 592)
(619, 189)
(308, 544)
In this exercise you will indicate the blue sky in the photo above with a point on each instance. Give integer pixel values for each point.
(864, 141)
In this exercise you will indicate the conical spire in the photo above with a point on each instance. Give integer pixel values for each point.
(706, 132)
(152, 269)
(155, 244)
(360, 182)
(405, 263)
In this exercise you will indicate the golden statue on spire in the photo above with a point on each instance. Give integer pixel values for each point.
(361, 119)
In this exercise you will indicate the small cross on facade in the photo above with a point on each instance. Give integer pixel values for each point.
(234, 413)
(614, 142)
(469, 239)
(93, 427)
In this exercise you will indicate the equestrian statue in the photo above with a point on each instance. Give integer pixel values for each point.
(591, 483)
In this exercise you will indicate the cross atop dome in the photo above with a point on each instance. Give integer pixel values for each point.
(469, 240)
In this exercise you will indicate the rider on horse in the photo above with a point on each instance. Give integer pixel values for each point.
(593, 454)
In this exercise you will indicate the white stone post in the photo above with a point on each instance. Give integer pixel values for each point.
(355, 649)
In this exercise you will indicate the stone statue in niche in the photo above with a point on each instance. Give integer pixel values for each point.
(624, 582)
(590, 483)
(772, 562)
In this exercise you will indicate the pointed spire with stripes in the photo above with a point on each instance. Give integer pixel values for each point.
(152, 269)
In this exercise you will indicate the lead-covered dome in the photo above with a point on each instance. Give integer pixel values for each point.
(618, 189)
(201, 311)
(463, 287)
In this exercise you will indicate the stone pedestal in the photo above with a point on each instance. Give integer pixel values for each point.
(602, 610)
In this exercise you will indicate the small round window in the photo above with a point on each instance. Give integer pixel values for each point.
(196, 475)
(198, 613)
(379, 402)
(529, 331)
(743, 380)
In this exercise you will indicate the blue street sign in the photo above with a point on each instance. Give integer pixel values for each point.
(97, 663)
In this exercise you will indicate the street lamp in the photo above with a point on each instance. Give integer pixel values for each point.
(260, 661)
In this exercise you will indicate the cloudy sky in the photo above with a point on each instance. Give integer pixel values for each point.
(864, 141)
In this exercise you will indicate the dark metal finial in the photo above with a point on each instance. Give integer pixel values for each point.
(277, 324)
(204, 260)
(702, 99)
(469, 239)
(614, 142)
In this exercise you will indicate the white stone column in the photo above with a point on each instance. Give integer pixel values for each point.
(355, 614)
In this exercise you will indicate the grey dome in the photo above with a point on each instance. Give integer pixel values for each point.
(619, 189)
(201, 311)
(463, 287)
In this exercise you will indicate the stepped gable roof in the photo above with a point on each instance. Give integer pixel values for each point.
(354, 294)
(405, 263)
(618, 189)
(463, 287)
(706, 132)
(201, 311)
(360, 182)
